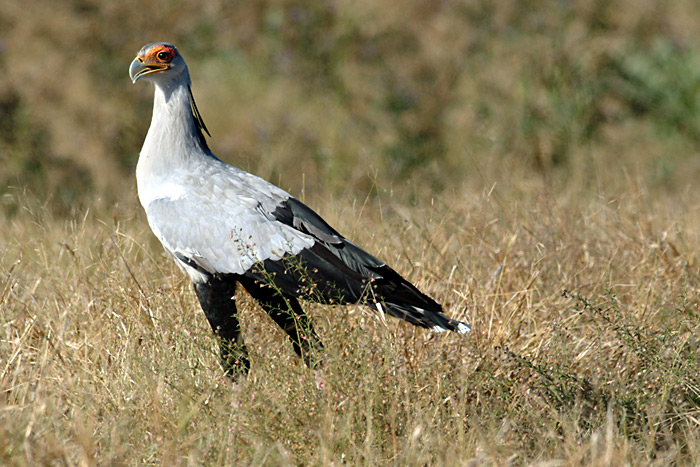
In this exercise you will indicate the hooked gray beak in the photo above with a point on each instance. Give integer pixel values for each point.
(139, 69)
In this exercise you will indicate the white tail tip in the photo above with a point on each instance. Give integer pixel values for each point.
(462, 328)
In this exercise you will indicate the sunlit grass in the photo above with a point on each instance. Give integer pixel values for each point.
(106, 355)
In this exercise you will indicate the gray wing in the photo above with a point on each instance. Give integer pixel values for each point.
(223, 227)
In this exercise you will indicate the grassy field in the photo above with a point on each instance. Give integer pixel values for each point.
(531, 166)
(107, 358)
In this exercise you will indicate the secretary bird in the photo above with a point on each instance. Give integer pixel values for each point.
(224, 226)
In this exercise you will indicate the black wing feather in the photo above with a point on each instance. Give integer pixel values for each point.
(298, 215)
(335, 270)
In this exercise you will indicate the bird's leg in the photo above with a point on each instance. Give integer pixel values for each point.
(290, 316)
(217, 296)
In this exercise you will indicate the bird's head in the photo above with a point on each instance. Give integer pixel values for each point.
(158, 62)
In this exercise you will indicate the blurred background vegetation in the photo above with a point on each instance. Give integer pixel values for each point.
(359, 97)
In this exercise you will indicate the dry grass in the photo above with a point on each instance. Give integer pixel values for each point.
(531, 165)
(107, 359)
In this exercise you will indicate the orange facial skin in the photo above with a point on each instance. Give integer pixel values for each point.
(158, 54)
(152, 58)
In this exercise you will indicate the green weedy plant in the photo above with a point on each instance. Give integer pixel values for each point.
(662, 383)
(308, 344)
(649, 381)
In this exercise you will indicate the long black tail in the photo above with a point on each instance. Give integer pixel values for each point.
(347, 274)
(403, 300)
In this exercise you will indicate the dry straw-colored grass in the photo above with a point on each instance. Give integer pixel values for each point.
(107, 359)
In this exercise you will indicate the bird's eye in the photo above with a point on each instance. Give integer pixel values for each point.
(163, 56)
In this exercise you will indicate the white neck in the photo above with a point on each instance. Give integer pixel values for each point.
(173, 140)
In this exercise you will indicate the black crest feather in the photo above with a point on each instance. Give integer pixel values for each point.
(198, 120)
